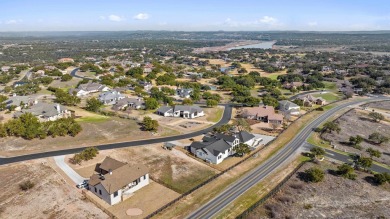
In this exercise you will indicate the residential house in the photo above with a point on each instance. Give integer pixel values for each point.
(90, 87)
(147, 70)
(110, 97)
(310, 100)
(184, 92)
(289, 107)
(46, 111)
(20, 102)
(263, 113)
(295, 85)
(189, 112)
(134, 103)
(5, 68)
(216, 148)
(146, 85)
(64, 60)
(117, 181)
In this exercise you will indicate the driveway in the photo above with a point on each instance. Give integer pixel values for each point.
(60, 161)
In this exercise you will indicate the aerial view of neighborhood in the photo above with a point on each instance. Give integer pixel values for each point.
(194, 109)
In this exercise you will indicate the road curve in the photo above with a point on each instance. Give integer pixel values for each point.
(73, 74)
(227, 114)
(259, 173)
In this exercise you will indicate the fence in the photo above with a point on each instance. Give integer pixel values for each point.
(273, 192)
(223, 172)
(104, 209)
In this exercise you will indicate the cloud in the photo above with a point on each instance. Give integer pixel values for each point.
(268, 20)
(312, 24)
(141, 16)
(115, 18)
(13, 21)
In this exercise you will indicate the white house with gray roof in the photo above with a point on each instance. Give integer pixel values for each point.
(46, 111)
(184, 92)
(134, 103)
(188, 112)
(110, 97)
(90, 87)
(117, 181)
(289, 107)
(216, 148)
(20, 102)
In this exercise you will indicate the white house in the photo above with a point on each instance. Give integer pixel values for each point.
(289, 107)
(46, 111)
(216, 148)
(118, 181)
(111, 97)
(85, 89)
(184, 92)
(189, 112)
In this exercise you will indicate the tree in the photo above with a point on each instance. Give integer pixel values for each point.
(330, 127)
(270, 101)
(364, 162)
(242, 125)
(346, 171)
(187, 101)
(31, 125)
(373, 153)
(355, 141)
(377, 117)
(314, 174)
(382, 178)
(93, 104)
(242, 149)
(211, 103)
(65, 98)
(316, 151)
(149, 124)
(223, 128)
(66, 77)
(378, 138)
(26, 185)
(151, 103)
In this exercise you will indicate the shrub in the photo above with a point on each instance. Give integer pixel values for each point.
(85, 155)
(314, 174)
(26, 185)
(382, 178)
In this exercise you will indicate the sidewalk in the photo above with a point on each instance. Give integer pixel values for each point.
(60, 161)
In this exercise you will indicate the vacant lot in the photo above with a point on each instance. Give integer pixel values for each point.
(96, 130)
(357, 122)
(335, 197)
(51, 197)
(173, 169)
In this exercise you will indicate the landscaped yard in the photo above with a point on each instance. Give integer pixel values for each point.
(213, 114)
(329, 97)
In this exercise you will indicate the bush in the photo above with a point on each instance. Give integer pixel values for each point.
(85, 155)
(382, 178)
(320, 109)
(314, 175)
(66, 77)
(26, 185)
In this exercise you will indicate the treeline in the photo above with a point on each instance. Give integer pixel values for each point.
(29, 127)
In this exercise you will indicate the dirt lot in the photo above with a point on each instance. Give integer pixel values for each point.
(335, 197)
(356, 122)
(51, 197)
(96, 130)
(173, 169)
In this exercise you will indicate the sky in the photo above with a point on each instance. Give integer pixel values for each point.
(194, 15)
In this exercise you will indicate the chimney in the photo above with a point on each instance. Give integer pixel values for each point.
(110, 171)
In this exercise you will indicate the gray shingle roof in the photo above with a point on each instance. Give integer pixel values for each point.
(245, 136)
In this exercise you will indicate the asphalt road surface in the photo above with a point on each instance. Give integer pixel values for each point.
(259, 173)
(227, 114)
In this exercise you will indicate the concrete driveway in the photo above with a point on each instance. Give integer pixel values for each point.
(60, 161)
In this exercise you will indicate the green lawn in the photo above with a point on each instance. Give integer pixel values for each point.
(215, 117)
(329, 97)
(95, 118)
(330, 85)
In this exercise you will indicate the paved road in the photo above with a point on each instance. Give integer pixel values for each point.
(73, 175)
(227, 114)
(347, 159)
(73, 74)
(259, 173)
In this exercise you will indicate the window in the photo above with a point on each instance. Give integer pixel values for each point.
(95, 190)
(116, 194)
(144, 177)
(100, 192)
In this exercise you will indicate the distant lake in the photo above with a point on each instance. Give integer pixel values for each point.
(262, 45)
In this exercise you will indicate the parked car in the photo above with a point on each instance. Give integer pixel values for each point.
(83, 185)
